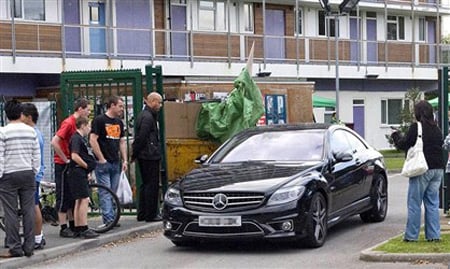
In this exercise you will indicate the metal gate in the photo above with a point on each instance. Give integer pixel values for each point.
(96, 86)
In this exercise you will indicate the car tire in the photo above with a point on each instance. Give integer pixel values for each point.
(316, 225)
(379, 201)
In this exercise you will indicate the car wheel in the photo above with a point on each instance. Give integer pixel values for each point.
(379, 200)
(316, 226)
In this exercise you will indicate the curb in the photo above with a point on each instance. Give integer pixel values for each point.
(369, 255)
(81, 245)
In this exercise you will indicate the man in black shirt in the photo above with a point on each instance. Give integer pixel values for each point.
(146, 149)
(107, 140)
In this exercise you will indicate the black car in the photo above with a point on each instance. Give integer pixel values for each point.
(278, 182)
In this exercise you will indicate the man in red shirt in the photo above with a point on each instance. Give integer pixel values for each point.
(60, 143)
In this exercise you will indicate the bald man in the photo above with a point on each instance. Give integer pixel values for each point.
(147, 152)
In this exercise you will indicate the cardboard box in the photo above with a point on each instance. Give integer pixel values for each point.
(180, 119)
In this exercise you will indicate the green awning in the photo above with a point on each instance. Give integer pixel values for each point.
(435, 101)
(323, 102)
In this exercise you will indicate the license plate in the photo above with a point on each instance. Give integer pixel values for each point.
(219, 221)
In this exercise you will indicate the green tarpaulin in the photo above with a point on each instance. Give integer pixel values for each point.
(242, 109)
(323, 102)
(435, 101)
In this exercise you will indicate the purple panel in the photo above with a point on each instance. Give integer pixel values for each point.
(133, 42)
(71, 11)
(72, 33)
(133, 14)
(178, 22)
(274, 26)
(73, 40)
(354, 50)
(432, 41)
(372, 54)
(358, 120)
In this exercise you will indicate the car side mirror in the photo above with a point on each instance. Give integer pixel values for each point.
(343, 156)
(201, 159)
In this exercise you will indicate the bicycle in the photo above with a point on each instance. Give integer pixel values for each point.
(95, 216)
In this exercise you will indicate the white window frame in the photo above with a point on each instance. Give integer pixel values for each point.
(248, 14)
(385, 120)
(422, 33)
(299, 22)
(214, 10)
(328, 23)
(399, 23)
(22, 9)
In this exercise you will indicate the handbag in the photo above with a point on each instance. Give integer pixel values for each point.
(124, 192)
(415, 163)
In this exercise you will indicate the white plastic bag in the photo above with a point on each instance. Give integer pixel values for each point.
(124, 192)
(415, 163)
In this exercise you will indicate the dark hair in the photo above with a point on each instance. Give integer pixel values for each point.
(29, 109)
(13, 109)
(80, 121)
(423, 111)
(81, 102)
(112, 100)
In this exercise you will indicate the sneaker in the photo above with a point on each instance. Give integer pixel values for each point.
(40, 245)
(88, 234)
(67, 232)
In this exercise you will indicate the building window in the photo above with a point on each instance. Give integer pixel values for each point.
(395, 28)
(324, 22)
(29, 9)
(422, 29)
(299, 29)
(390, 111)
(212, 15)
(248, 17)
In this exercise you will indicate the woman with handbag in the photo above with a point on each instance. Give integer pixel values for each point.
(423, 188)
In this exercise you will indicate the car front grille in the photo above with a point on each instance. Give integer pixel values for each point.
(247, 229)
(234, 201)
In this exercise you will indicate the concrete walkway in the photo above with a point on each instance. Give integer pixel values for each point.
(57, 246)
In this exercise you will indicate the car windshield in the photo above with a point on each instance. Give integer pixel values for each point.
(294, 145)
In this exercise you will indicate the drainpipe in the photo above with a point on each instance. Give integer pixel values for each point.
(13, 32)
(63, 37)
(229, 34)
(297, 53)
(264, 32)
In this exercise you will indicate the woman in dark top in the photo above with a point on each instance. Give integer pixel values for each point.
(424, 188)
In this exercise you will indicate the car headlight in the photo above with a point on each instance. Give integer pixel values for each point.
(286, 195)
(173, 197)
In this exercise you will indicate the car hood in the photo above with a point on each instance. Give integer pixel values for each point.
(254, 177)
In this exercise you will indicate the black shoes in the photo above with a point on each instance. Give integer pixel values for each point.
(88, 234)
(68, 233)
(40, 245)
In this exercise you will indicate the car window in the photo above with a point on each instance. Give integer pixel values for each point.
(339, 142)
(296, 145)
(355, 143)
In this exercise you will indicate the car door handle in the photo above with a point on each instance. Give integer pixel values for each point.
(358, 161)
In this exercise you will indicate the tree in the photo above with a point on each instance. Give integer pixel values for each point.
(412, 96)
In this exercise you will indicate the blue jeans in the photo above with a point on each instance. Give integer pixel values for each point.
(424, 188)
(107, 174)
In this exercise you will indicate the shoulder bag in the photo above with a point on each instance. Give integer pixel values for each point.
(415, 163)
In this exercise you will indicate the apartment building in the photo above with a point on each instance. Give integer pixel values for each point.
(384, 47)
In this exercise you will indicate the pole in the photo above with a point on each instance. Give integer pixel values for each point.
(336, 35)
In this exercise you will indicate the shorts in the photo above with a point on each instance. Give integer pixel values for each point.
(64, 199)
(36, 193)
(78, 182)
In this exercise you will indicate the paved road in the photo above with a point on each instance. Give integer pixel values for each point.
(342, 249)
